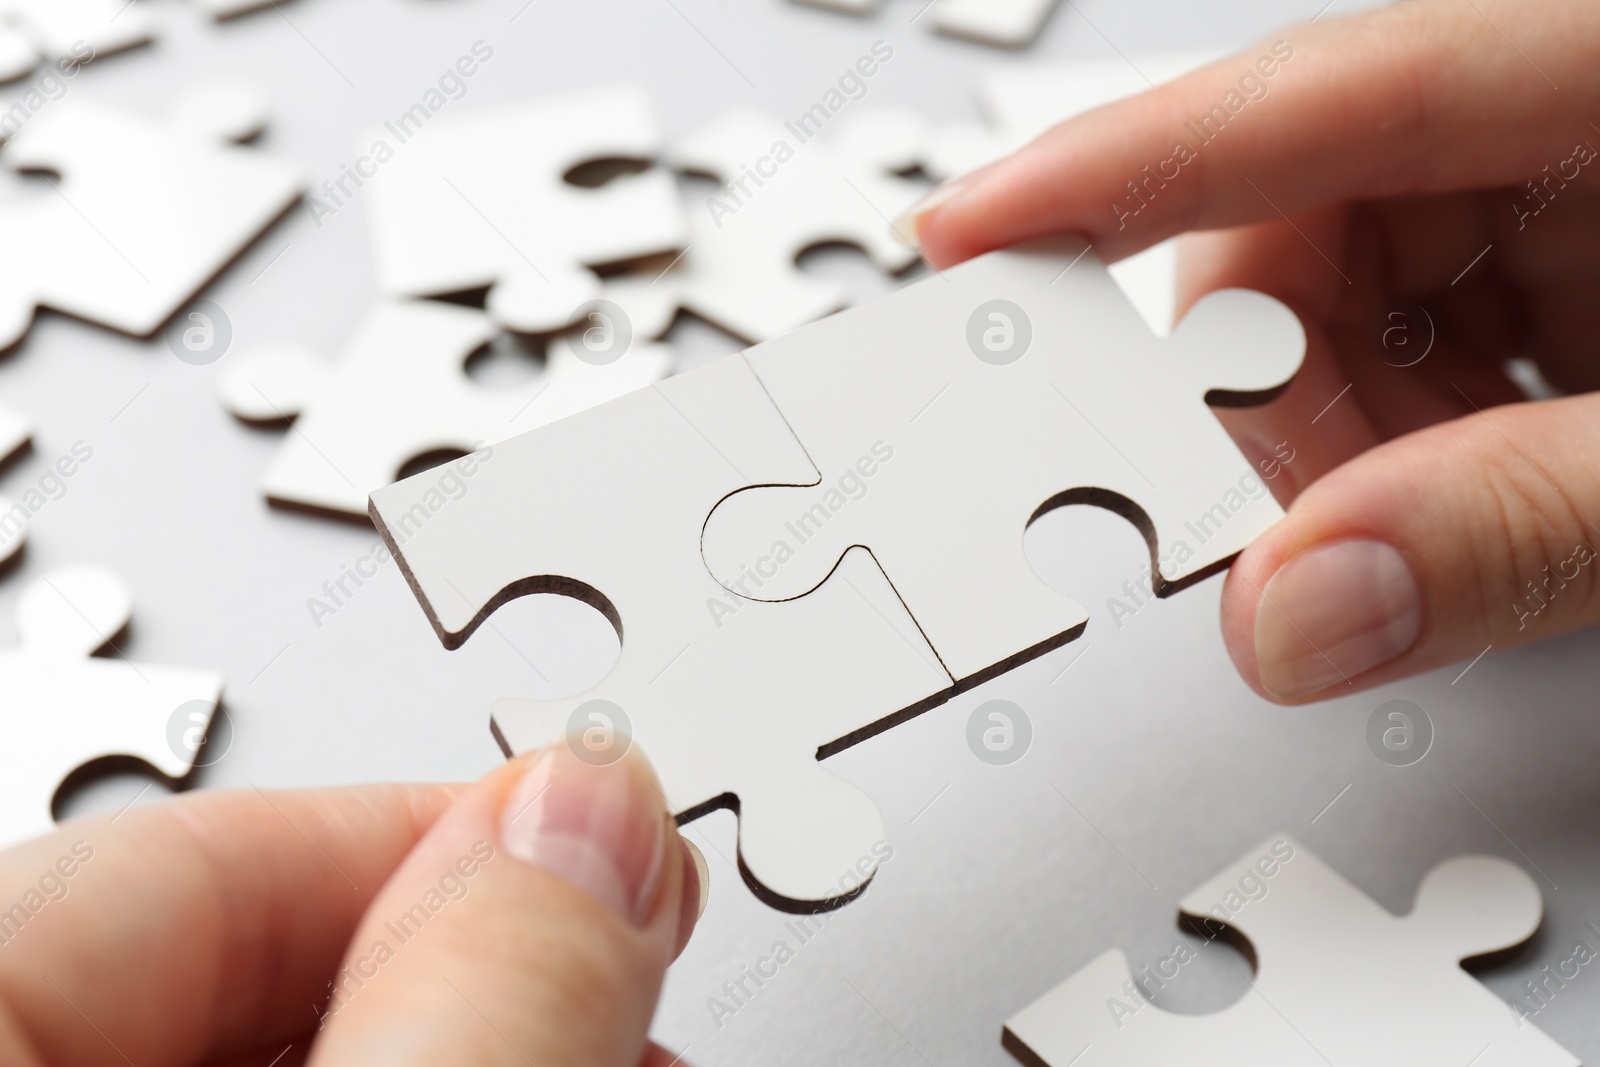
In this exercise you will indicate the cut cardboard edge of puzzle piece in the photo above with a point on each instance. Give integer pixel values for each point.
(1465, 907)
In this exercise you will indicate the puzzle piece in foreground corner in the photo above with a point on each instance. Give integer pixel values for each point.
(67, 709)
(146, 211)
(399, 391)
(70, 31)
(735, 701)
(1340, 981)
(949, 415)
(465, 202)
(787, 187)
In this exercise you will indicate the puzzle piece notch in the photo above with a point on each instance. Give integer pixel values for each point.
(1339, 980)
(480, 200)
(398, 391)
(148, 211)
(733, 701)
(70, 710)
(781, 196)
(903, 411)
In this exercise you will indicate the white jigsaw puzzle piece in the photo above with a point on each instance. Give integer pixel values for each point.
(480, 200)
(1340, 982)
(145, 212)
(73, 31)
(399, 390)
(69, 710)
(787, 187)
(996, 411)
(734, 701)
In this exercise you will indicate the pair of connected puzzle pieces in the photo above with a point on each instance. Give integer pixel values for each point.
(1339, 981)
(807, 543)
(142, 213)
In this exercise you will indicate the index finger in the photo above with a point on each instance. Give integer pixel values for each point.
(1426, 96)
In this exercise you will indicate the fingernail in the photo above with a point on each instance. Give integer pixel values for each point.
(1334, 612)
(602, 828)
(906, 225)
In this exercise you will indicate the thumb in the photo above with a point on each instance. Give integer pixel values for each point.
(1430, 549)
(533, 924)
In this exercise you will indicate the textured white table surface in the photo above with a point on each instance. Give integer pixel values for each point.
(1151, 764)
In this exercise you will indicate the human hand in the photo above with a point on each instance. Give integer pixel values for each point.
(1437, 152)
(526, 919)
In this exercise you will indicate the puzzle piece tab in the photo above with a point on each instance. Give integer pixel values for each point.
(734, 696)
(68, 709)
(1340, 982)
(145, 212)
(481, 200)
(399, 390)
(787, 187)
(949, 415)
(734, 700)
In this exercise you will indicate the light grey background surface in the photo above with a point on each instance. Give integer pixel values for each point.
(1151, 764)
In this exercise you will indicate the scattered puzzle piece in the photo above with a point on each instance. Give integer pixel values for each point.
(145, 212)
(70, 31)
(68, 709)
(734, 700)
(787, 187)
(1339, 982)
(466, 202)
(1003, 23)
(1006, 387)
(398, 391)
(736, 697)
